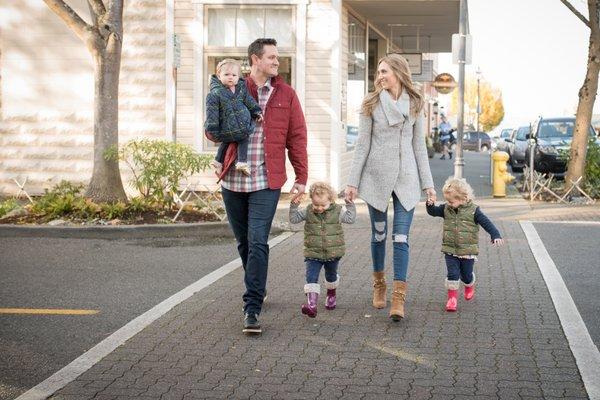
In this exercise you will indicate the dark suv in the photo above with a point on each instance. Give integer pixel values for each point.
(471, 141)
(552, 135)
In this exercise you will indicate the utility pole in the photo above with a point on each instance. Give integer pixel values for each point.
(478, 73)
(459, 162)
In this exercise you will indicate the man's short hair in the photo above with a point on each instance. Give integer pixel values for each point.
(258, 47)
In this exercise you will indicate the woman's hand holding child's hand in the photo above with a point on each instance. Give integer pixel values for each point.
(350, 194)
(498, 242)
(260, 118)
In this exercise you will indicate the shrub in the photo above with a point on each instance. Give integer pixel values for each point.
(591, 173)
(85, 208)
(7, 206)
(158, 166)
(113, 210)
(138, 205)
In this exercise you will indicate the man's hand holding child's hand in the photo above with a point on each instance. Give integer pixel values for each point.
(498, 242)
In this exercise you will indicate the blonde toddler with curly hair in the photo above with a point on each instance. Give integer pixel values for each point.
(460, 243)
(323, 242)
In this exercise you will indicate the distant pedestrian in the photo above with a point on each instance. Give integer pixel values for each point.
(229, 113)
(323, 242)
(462, 218)
(445, 130)
(390, 160)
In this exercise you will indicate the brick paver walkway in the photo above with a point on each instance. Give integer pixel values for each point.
(507, 343)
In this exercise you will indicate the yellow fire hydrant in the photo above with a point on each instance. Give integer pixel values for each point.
(500, 177)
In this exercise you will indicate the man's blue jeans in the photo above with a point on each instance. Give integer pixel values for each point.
(400, 230)
(250, 217)
(313, 269)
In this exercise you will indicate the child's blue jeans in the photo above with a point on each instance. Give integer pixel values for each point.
(460, 268)
(313, 269)
(400, 230)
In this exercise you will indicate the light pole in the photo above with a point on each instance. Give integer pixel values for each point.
(478, 73)
(459, 161)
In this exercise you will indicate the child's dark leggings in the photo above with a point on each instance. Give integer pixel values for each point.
(460, 268)
(242, 151)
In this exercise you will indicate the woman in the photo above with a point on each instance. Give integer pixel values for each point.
(390, 159)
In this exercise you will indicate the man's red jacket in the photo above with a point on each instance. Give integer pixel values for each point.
(283, 128)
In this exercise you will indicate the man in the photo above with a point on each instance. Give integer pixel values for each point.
(251, 201)
(445, 130)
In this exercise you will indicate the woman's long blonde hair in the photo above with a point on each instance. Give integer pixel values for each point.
(400, 68)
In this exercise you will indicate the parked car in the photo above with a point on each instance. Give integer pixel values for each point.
(501, 144)
(471, 141)
(351, 136)
(516, 148)
(553, 135)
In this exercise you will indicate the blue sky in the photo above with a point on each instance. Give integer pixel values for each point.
(535, 51)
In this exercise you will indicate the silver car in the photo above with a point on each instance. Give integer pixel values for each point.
(501, 143)
(517, 146)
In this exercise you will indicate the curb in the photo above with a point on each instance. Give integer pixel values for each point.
(197, 230)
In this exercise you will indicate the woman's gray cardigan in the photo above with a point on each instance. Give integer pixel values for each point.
(391, 155)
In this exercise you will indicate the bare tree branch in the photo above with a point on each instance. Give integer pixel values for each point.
(97, 10)
(577, 13)
(71, 18)
(115, 17)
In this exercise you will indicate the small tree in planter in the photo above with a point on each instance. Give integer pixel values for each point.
(158, 166)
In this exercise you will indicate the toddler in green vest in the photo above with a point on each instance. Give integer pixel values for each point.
(460, 239)
(323, 242)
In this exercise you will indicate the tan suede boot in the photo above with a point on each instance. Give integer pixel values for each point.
(398, 297)
(379, 289)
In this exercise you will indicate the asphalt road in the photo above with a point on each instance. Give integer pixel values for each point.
(120, 278)
(575, 251)
(476, 171)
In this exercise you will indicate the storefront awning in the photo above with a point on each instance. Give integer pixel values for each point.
(424, 26)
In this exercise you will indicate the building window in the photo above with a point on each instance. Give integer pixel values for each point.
(238, 27)
(356, 78)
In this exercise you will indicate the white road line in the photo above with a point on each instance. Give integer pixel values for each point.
(84, 362)
(586, 353)
(568, 222)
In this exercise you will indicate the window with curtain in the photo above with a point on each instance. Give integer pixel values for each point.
(238, 27)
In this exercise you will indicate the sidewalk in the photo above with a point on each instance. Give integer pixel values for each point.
(507, 343)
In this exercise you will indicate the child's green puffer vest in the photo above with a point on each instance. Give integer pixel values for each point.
(323, 234)
(461, 233)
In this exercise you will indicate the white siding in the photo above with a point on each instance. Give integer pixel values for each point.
(48, 88)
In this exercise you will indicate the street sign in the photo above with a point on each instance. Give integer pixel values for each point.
(176, 51)
(415, 62)
(456, 47)
(444, 83)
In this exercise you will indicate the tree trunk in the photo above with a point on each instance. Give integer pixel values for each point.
(585, 107)
(105, 184)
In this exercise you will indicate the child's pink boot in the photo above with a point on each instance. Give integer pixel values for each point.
(312, 297)
(331, 300)
(452, 302)
(470, 289)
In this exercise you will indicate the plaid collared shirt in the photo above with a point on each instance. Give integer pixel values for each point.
(237, 181)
